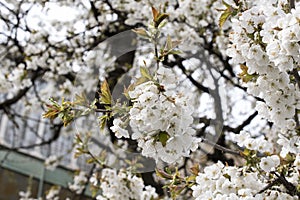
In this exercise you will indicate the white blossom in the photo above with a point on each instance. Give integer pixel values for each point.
(79, 182)
(124, 185)
(52, 162)
(269, 163)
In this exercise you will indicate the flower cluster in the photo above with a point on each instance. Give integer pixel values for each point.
(266, 38)
(52, 162)
(160, 119)
(226, 182)
(79, 182)
(244, 139)
(53, 193)
(25, 195)
(123, 185)
(289, 144)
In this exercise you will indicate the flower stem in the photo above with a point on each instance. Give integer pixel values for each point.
(156, 50)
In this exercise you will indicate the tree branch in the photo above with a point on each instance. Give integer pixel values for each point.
(56, 128)
(291, 189)
(241, 126)
(21, 93)
(178, 62)
(235, 130)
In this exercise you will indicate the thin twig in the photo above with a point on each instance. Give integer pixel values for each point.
(297, 77)
(269, 186)
(221, 148)
(156, 50)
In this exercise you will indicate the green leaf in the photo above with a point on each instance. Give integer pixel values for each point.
(229, 11)
(161, 173)
(105, 95)
(169, 44)
(126, 90)
(175, 52)
(78, 152)
(191, 178)
(94, 192)
(140, 81)
(224, 16)
(103, 120)
(162, 24)
(169, 47)
(244, 74)
(132, 86)
(80, 99)
(90, 160)
(145, 77)
(145, 73)
(141, 32)
(163, 137)
(160, 18)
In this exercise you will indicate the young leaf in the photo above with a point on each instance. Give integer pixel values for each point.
(105, 96)
(90, 161)
(195, 169)
(145, 73)
(51, 113)
(161, 173)
(175, 52)
(103, 119)
(133, 85)
(229, 11)
(224, 16)
(169, 44)
(126, 90)
(160, 18)
(244, 74)
(80, 99)
(141, 32)
(162, 24)
(155, 13)
(175, 43)
(141, 80)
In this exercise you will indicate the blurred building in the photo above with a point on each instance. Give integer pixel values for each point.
(25, 143)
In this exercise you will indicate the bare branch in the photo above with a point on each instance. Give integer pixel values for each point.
(235, 130)
(22, 93)
(221, 148)
(241, 126)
